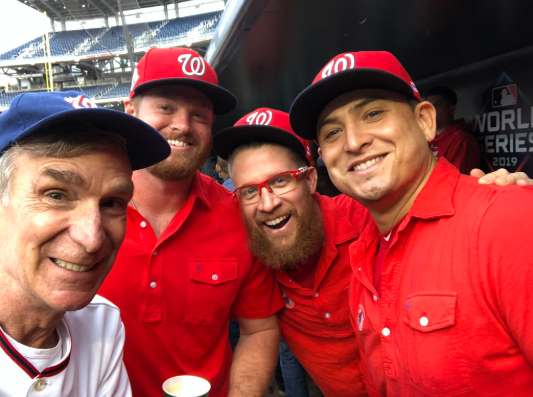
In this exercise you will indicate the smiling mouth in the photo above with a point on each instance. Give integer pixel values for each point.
(366, 164)
(72, 266)
(278, 223)
(175, 142)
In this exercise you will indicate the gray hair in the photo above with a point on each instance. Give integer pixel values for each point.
(59, 143)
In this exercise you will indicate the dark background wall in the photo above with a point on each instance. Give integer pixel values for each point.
(466, 44)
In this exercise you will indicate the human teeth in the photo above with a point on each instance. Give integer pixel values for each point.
(175, 142)
(365, 165)
(71, 266)
(277, 220)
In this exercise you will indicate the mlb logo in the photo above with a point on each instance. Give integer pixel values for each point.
(504, 96)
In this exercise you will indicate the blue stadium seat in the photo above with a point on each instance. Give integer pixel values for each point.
(122, 90)
(64, 43)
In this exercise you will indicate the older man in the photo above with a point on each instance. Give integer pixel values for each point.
(65, 183)
(440, 297)
(184, 267)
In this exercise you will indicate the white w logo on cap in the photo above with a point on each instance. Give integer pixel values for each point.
(263, 118)
(197, 65)
(335, 66)
(81, 102)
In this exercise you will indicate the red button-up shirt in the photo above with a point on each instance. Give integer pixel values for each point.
(176, 293)
(315, 323)
(455, 314)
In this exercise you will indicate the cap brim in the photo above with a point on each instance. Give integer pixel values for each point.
(145, 145)
(307, 106)
(229, 139)
(223, 100)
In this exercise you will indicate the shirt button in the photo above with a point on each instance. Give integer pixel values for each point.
(39, 385)
(424, 321)
(153, 284)
(154, 253)
(316, 295)
(290, 281)
(375, 297)
(143, 224)
(359, 269)
(214, 277)
(385, 331)
(327, 315)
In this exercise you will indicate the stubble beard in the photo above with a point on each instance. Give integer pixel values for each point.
(178, 167)
(275, 253)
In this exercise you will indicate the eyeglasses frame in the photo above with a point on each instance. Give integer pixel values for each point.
(261, 185)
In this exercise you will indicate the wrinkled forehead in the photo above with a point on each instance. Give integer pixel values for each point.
(78, 170)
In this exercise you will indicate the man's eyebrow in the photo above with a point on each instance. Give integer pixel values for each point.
(65, 176)
(364, 102)
(357, 106)
(73, 178)
(125, 188)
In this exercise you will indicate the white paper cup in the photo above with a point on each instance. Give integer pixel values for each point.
(186, 386)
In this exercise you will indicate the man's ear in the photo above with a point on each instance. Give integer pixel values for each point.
(217, 167)
(319, 150)
(426, 116)
(129, 107)
(311, 178)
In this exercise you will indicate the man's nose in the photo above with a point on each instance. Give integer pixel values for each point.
(356, 139)
(87, 228)
(268, 201)
(180, 122)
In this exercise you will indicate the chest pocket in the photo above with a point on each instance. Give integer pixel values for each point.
(435, 353)
(211, 291)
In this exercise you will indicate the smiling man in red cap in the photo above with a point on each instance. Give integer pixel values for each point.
(304, 238)
(440, 297)
(184, 267)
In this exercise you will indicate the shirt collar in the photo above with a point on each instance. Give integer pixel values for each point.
(27, 367)
(337, 225)
(201, 188)
(436, 198)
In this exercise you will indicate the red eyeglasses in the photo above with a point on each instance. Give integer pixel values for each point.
(277, 184)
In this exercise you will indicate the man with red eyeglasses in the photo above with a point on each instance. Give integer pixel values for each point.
(304, 237)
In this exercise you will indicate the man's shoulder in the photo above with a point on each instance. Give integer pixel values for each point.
(461, 130)
(340, 202)
(344, 211)
(508, 199)
(214, 190)
(97, 313)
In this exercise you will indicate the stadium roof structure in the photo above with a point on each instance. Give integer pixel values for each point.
(69, 10)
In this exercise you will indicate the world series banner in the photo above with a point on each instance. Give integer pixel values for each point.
(504, 128)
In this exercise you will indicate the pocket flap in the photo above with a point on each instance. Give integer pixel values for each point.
(430, 311)
(213, 271)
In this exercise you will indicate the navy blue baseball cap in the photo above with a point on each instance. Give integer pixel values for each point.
(34, 113)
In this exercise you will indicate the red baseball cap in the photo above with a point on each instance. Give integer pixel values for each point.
(344, 73)
(160, 66)
(261, 125)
